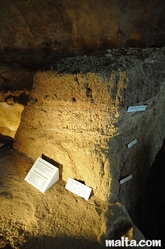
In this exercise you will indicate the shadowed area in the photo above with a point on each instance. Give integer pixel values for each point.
(34, 32)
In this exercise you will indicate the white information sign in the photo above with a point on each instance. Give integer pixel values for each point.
(42, 175)
(132, 143)
(125, 179)
(136, 108)
(78, 188)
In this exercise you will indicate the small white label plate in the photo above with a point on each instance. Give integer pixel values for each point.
(125, 179)
(137, 108)
(78, 188)
(42, 175)
(132, 143)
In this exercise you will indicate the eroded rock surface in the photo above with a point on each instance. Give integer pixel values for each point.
(10, 116)
(15, 87)
(35, 32)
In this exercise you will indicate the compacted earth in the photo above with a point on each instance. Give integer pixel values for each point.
(56, 219)
(59, 219)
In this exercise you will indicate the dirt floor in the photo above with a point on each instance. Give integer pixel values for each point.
(56, 219)
(31, 219)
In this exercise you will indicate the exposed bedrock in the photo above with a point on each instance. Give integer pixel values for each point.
(34, 32)
(77, 115)
(15, 87)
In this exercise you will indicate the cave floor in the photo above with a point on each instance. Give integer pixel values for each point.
(55, 219)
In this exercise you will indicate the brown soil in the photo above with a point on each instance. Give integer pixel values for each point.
(56, 219)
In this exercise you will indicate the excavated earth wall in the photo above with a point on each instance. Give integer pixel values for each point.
(77, 115)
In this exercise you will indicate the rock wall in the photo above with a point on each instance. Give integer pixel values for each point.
(15, 87)
(10, 118)
(34, 32)
(77, 115)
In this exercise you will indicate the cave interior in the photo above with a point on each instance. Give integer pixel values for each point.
(69, 70)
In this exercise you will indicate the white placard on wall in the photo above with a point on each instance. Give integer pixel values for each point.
(137, 108)
(125, 179)
(42, 175)
(132, 143)
(78, 188)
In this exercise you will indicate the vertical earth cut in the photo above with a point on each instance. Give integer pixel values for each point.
(71, 118)
(77, 115)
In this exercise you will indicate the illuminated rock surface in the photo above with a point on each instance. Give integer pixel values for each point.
(77, 115)
(10, 118)
(75, 112)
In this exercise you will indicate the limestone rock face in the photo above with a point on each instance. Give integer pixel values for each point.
(77, 115)
(10, 118)
(15, 85)
(35, 31)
